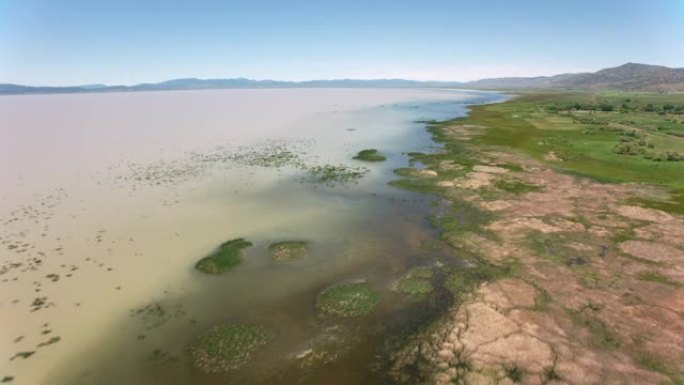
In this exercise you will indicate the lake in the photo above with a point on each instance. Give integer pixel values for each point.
(108, 200)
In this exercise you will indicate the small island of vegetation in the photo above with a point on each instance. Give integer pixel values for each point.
(370, 155)
(348, 300)
(288, 250)
(226, 347)
(227, 256)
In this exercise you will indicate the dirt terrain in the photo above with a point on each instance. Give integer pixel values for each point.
(597, 296)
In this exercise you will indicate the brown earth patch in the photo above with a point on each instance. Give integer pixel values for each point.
(596, 299)
(657, 252)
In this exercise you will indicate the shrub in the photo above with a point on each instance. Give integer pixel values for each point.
(629, 148)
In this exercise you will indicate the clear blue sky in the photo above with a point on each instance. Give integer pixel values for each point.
(53, 42)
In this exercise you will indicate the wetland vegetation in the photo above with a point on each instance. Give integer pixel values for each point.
(348, 299)
(547, 191)
(545, 197)
(227, 256)
(417, 282)
(370, 155)
(225, 347)
(288, 250)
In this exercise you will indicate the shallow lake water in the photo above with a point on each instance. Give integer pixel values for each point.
(108, 200)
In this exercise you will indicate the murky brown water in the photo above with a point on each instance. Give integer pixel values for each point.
(108, 200)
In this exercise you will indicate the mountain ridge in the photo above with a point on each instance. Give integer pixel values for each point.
(627, 77)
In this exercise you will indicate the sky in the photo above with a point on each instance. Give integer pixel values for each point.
(73, 42)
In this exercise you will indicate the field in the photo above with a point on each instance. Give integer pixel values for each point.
(610, 137)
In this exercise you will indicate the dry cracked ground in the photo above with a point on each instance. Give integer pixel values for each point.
(598, 297)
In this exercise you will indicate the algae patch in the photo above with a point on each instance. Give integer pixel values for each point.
(226, 257)
(370, 155)
(348, 300)
(226, 347)
(288, 250)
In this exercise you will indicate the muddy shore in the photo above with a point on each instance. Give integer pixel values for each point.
(596, 292)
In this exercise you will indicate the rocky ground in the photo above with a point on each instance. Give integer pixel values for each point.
(597, 296)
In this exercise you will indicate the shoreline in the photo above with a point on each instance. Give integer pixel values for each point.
(148, 326)
(570, 281)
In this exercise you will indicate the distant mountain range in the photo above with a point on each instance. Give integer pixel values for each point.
(627, 77)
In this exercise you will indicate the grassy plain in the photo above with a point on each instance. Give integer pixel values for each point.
(583, 133)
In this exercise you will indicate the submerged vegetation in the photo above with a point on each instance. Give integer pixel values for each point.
(370, 155)
(227, 256)
(288, 250)
(275, 154)
(226, 347)
(332, 175)
(417, 282)
(348, 300)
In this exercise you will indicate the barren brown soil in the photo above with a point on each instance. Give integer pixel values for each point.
(598, 297)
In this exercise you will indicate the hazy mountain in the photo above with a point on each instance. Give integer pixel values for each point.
(200, 84)
(627, 77)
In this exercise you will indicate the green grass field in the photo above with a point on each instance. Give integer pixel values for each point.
(610, 137)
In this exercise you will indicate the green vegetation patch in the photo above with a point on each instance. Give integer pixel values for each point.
(515, 186)
(288, 250)
(598, 135)
(423, 185)
(332, 175)
(601, 335)
(463, 281)
(675, 203)
(661, 365)
(273, 154)
(554, 247)
(226, 257)
(370, 155)
(347, 300)
(423, 272)
(654, 276)
(226, 347)
(461, 216)
(415, 286)
(515, 373)
(417, 282)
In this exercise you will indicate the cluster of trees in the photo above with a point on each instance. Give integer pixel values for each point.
(665, 109)
(624, 107)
